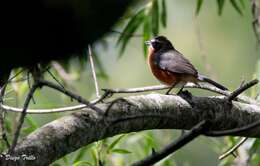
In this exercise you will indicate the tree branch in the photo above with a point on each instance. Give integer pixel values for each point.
(174, 146)
(233, 149)
(22, 116)
(109, 92)
(154, 111)
(241, 89)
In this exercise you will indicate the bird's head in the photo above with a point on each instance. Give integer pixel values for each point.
(159, 42)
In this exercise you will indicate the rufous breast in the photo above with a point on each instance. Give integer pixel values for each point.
(163, 76)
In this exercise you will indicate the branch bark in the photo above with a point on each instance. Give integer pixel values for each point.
(135, 113)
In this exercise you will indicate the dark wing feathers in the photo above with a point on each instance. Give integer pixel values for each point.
(175, 62)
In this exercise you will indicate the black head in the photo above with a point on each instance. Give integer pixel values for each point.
(160, 42)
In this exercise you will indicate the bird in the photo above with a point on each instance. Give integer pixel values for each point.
(171, 67)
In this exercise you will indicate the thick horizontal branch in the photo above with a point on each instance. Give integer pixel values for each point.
(136, 113)
(240, 98)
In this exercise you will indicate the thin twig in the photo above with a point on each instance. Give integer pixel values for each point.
(39, 83)
(55, 110)
(45, 111)
(174, 146)
(29, 85)
(255, 23)
(188, 85)
(61, 71)
(241, 89)
(21, 119)
(232, 149)
(2, 127)
(162, 87)
(71, 94)
(233, 131)
(110, 92)
(93, 70)
(18, 73)
(53, 76)
(101, 98)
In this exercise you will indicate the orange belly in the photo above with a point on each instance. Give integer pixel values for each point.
(167, 77)
(163, 76)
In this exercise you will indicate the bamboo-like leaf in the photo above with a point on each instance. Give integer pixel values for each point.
(32, 125)
(114, 143)
(31, 122)
(65, 160)
(130, 28)
(255, 144)
(164, 14)
(82, 163)
(220, 6)
(81, 153)
(56, 164)
(155, 18)
(146, 33)
(242, 4)
(8, 125)
(121, 151)
(199, 4)
(94, 155)
(235, 5)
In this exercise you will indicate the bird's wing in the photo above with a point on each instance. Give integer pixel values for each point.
(174, 61)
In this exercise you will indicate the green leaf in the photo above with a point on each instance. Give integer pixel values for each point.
(150, 140)
(242, 4)
(235, 5)
(220, 6)
(149, 143)
(8, 125)
(23, 88)
(199, 4)
(65, 160)
(82, 163)
(121, 151)
(114, 143)
(130, 28)
(31, 122)
(164, 14)
(32, 125)
(155, 18)
(94, 155)
(81, 153)
(255, 145)
(56, 164)
(146, 33)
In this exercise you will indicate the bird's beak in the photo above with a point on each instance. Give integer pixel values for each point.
(148, 42)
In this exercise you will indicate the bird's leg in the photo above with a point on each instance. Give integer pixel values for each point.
(184, 93)
(181, 90)
(169, 90)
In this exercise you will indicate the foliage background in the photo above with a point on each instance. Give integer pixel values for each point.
(222, 47)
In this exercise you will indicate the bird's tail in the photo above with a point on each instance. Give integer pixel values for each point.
(210, 81)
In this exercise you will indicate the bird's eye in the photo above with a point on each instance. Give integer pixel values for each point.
(156, 45)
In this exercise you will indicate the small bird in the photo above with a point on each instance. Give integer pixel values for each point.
(170, 67)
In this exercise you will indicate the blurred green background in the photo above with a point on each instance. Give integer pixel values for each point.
(221, 47)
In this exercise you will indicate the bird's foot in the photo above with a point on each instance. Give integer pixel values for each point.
(184, 94)
(168, 91)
